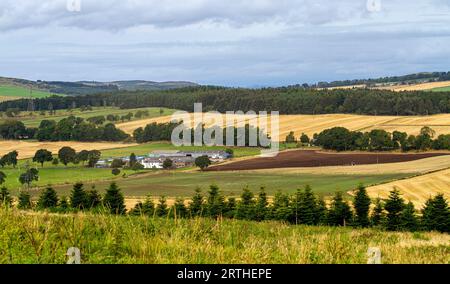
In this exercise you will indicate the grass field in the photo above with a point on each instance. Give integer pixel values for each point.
(110, 239)
(21, 92)
(311, 124)
(417, 189)
(50, 175)
(33, 119)
(417, 87)
(183, 183)
(442, 89)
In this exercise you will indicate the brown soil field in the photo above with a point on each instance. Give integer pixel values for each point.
(313, 158)
(28, 149)
(311, 124)
(416, 167)
(417, 189)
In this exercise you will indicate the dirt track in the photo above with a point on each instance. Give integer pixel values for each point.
(310, 158)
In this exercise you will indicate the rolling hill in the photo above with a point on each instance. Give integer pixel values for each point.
(89, 87)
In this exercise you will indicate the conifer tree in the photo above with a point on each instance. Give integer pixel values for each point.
(78, 197)
(378, 217)
(322, 212)
(179, 208)
(280, 209)
(408, 218)
(307, 207)
(361, 205)
(5, 197)
(246, 206)
(114, 200)
(148, 207)
(161, 208)
(24, 201)
(394, 207)
(133, 160)
(215, 202)
(261, 210)
(63, 204)
(230, 208)
(137, 209)
(2, 177)
(197, 204)
(48, 199)
(340, 213)
(436, 214)
(93, 198)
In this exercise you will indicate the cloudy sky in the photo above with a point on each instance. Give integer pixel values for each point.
(227, 42)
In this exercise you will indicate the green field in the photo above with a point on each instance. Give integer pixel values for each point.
(45, 238)
(16, 91)
(442, 89)
(183, 184)
(33, 119)
(59, 175)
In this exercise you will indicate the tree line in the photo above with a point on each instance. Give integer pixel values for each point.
(302, 207)
(342, 139)
(65, 156)
(286, 100)
(67, 129)
(163, 132)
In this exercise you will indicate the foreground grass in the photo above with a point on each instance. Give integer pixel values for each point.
(43, 238)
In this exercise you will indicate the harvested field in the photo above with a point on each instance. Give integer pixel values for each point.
(416, 87)
(28, 149)
(312, 158)
(311, 124)
(8, 98)
(417, 189)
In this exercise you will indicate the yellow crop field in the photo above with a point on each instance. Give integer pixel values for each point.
(417, 189)
(28, 149)
(417, 87)
(311, 124)
(7, 98)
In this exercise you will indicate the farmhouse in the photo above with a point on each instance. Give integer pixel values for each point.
(180, 159)
(152, 163)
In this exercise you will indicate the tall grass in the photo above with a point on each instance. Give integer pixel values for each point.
(30, 237)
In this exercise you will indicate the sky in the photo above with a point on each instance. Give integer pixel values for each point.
(248, 43)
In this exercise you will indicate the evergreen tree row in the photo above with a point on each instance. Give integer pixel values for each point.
(302, 207)
(286, 100)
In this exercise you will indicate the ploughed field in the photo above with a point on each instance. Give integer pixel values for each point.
(312, 158)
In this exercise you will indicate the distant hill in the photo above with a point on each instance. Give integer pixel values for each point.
(92, 87)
